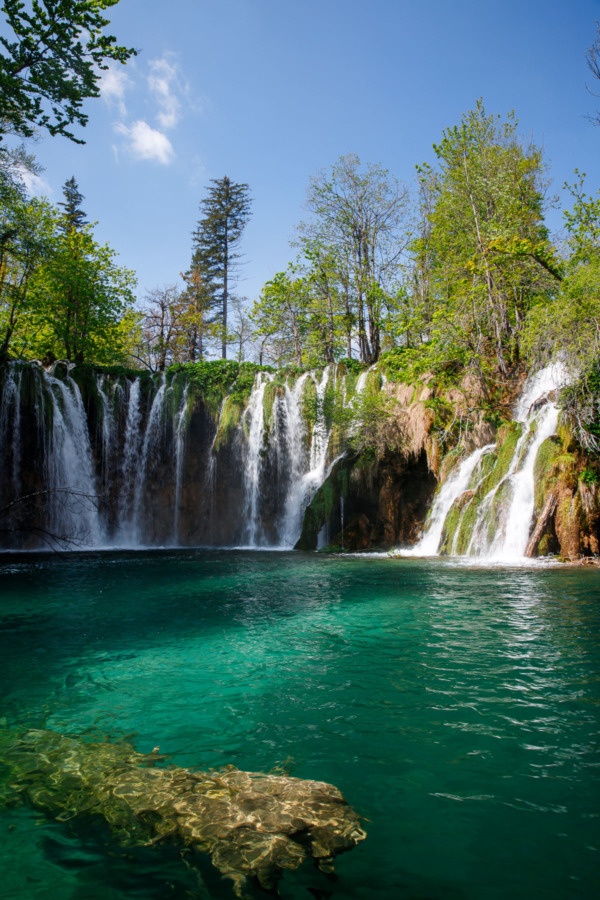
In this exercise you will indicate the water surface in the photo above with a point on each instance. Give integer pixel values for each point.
(457, 709)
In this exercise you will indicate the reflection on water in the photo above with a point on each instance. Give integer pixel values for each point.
(456, 708)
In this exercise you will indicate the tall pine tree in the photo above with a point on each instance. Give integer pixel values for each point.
(226, 210)
(74, 216)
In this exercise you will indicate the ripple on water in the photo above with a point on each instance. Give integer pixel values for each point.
(456, 707)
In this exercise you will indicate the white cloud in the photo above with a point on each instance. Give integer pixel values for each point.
(114, 83)
(145, 142)
(164, 82)
(34, 184)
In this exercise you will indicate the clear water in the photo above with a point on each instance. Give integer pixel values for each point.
(456, 708)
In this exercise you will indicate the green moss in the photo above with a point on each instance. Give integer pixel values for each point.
(450, 461)
(466, 525)
(273, 390)
(350, 382)
(547, 546)
(324, 505)
(450, 526)
(508, 437)
(589, 476)
(309, 403)
(229, 418)
(545, 471)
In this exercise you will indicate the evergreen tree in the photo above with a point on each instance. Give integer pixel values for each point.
(226, 210)
(74, 216)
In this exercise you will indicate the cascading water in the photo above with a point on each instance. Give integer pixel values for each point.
(180, 423)
(254, 421)
(130, 458)
(500, 529)
(539, 415)
(73, 500)
(455, 485)
(305, 483)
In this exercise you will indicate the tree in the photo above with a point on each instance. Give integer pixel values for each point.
(27, 228)
(196, 318)
(53, 63)
(226, 210)
(81, 298)
(280, 314)
(163, 332)
(359, 216)
(74, 216)
(593, 61)
(483, 253)
(240, 331)
(567, 329)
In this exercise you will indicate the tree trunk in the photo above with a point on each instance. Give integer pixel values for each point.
(541, 524)
(225, 267)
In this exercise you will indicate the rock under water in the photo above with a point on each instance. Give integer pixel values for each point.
(252, 825)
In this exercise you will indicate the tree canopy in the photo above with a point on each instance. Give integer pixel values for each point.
(225, 213)
(52, 62)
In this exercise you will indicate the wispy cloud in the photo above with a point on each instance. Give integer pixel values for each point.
(165, 82)
(145, 142)
(34, 185)
(114, 83)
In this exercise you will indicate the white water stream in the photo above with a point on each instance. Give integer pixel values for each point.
(505, 517)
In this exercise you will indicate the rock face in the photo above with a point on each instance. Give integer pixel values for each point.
(252, 825)
(383, 503)
(222, 457)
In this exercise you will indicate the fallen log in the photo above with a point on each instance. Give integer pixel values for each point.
(253, 825)
(542, 524)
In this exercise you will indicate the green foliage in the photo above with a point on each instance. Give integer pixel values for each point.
(568, 327)
(355, 366)
(482, 258)
(214, 380)
(81, 296)
(589, 477)
(27, 232)
(53, 62)
(580, 405)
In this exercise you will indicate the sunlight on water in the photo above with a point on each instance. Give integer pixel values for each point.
(456, 708)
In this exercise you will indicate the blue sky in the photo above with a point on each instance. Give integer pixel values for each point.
(268, 92)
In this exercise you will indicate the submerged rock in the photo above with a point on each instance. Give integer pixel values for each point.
(252, 825)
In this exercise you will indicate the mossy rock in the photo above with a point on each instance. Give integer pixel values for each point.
(273, 390)
(449, 463)
(323, 505)
(552, 466)
(229, 419)
(453, 522)
(309, 403)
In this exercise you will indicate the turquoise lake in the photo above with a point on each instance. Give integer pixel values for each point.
(457, 708)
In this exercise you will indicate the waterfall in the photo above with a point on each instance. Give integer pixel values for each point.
(254, 422)
(280, 464)
(455, 485)
(149, 450)
(180, 423)
(10, 431)
(293, 460)
(305, 483)
(540, 423)
(73, 509)
(130, 458)
(501, 515)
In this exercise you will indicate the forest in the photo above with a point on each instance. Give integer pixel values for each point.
(458, 280)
